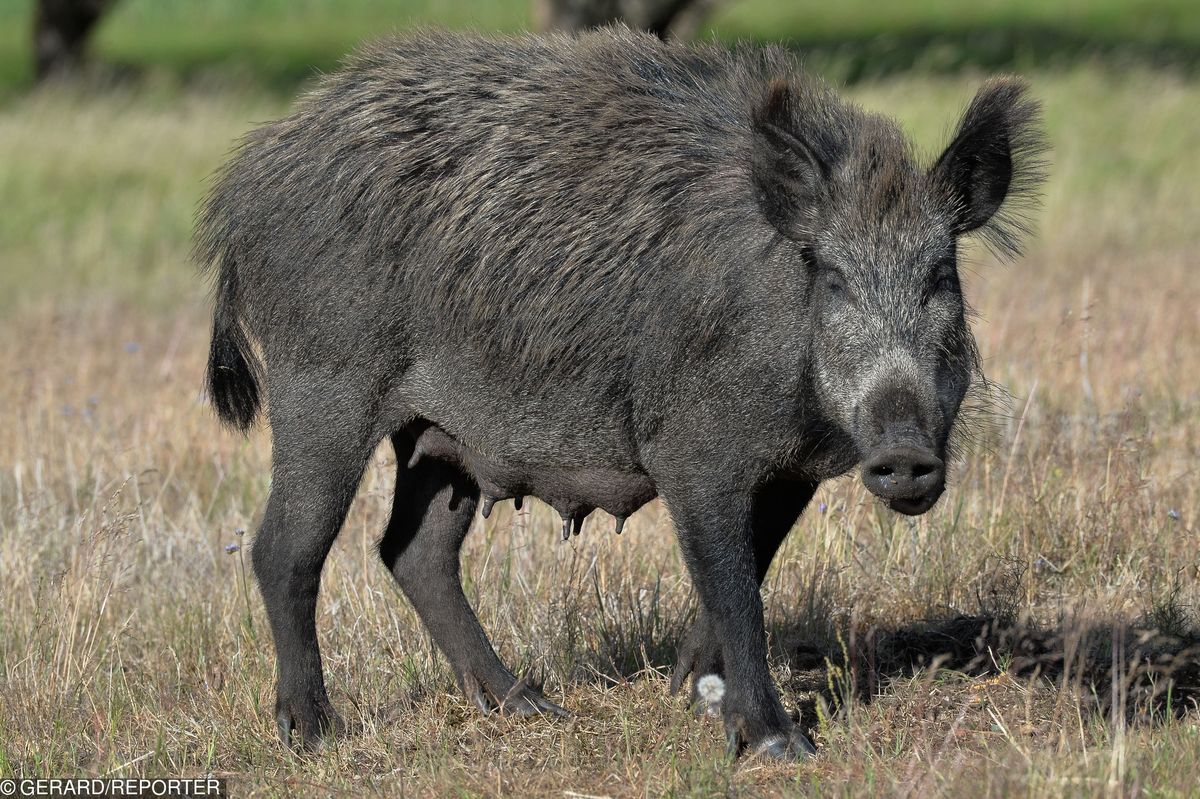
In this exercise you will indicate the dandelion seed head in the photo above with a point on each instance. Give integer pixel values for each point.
(711, 688)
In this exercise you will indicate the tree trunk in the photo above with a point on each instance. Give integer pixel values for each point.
(60, 33)
(660, 17)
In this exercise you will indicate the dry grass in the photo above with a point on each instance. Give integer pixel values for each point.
(1032, 635)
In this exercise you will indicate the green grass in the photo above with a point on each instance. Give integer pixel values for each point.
(131, 643)
(105, 189)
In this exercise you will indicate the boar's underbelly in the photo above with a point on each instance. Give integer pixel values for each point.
(573, 492)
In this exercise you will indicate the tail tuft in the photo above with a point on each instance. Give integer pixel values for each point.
(233, 369)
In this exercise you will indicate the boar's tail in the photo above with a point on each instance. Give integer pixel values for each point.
(234, 372)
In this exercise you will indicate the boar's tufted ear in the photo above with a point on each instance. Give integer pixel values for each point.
(994, 162)
(789, 174)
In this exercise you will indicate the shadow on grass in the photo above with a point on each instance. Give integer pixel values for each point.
(1145, 669)
(990, 49)
(279, 76)
(283, 66)
(1115, 668)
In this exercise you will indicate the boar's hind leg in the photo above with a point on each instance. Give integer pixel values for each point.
(318, 459)
(777, 506)
(714, 523)
(431, 513)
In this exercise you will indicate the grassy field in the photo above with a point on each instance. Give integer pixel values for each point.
(1034, 635)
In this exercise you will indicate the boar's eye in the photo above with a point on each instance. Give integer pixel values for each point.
(944, 283)
(835, 285)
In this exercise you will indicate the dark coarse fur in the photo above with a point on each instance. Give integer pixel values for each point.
(593, 270)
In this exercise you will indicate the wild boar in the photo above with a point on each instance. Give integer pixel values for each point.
(593, 270)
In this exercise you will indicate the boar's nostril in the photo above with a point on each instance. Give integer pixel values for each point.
(902, 473)
(922, 469)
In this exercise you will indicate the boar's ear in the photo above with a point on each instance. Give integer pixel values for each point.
(994, 163)
(789, 174)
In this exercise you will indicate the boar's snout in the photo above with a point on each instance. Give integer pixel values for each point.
(910, 478)
(897, 426)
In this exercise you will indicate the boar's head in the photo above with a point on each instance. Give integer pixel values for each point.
(891, 355)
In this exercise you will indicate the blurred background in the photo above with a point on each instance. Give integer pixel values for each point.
(1058, 581)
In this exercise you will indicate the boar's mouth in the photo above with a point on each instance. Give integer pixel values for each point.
(914, 507)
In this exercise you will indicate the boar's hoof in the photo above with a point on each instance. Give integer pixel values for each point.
(566, 527)
(620, 524)
(486, 505)
(788, 748)
(518, 501)
(307, 726)
(521, 699)
(525, 700)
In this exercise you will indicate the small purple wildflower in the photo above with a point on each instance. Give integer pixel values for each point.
(231, 548)
(132, 347)
(1043, 564)
(822, 508)
(239, 532)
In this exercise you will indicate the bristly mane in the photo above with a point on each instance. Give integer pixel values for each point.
(420, 155)
(414, 155)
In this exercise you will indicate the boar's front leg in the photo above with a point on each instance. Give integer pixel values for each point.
(777, 507)
(431, 514)
(714, 522)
